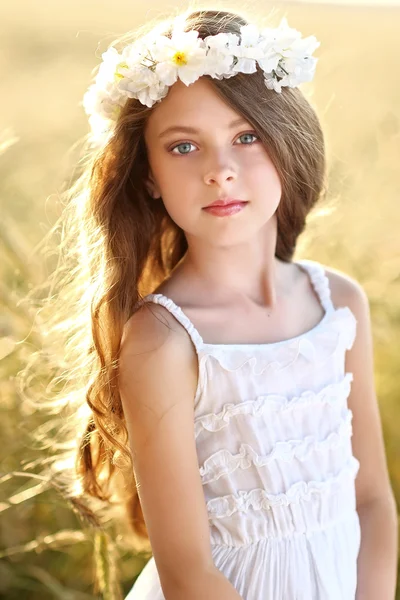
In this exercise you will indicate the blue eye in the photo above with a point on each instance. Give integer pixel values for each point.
(179, 145)
(250, 134)
(190, 144)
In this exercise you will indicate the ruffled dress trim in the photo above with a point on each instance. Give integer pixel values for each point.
(274, 402)
(224, 463)
(259, 499)
(336, 331)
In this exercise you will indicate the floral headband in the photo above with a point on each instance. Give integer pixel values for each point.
(148, 67)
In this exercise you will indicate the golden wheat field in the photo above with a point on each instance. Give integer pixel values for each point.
(48, 50)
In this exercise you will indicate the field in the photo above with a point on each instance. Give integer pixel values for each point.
(48, 52)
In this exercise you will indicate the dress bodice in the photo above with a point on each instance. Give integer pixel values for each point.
(273, 437)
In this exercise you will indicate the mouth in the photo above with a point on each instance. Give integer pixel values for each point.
(226, 209)
(225, 202)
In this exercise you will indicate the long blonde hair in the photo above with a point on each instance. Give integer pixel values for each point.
(118, 244)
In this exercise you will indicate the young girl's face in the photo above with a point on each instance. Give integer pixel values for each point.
(216, 158)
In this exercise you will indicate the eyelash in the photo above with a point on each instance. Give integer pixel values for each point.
(185, 153)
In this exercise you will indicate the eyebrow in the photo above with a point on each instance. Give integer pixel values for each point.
(180, 128)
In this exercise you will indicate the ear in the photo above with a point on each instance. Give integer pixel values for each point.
(152, 187)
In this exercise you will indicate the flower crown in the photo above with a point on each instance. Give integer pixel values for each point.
(148, 67)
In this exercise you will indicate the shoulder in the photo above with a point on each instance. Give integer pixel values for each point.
(150, 327)
(154, 342)
(347, 291)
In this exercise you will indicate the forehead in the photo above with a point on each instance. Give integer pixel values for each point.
(197, 104)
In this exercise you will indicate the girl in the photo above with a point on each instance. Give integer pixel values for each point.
(228, 378)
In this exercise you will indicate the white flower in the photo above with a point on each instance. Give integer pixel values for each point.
(181, 56)
(221, 49)
(249, 50)
(287, 56)
(106, 102)
(101, 130)
(225, 42)
(273, 84)
(307, 45)
(135, 79)
(111, 59)
(147, 68)
(153, 94)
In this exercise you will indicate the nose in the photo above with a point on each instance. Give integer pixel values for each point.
(219, 174)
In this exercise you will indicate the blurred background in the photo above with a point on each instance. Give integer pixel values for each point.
(48, 50)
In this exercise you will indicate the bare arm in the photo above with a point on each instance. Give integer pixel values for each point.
(158, 379)
(209, 585)
(377, 560)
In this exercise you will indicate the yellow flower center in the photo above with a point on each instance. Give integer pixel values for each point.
(116, 111)
(179, 58)
(121, 65)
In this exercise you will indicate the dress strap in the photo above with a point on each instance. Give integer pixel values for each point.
(179, 315)
(318, 279)
(320, 282)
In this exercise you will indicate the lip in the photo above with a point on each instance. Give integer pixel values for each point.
(225, 202)
(225, 210)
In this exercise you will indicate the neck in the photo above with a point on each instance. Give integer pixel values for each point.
(248, 271)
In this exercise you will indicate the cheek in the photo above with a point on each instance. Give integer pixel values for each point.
(264, 174)
(178, 195)
(173, 174)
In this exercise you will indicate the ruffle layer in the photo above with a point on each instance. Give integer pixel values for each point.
(336, 330)
(273, 402)
(259, 499)
(224, 463)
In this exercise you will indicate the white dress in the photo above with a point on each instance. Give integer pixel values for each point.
(273, 436)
